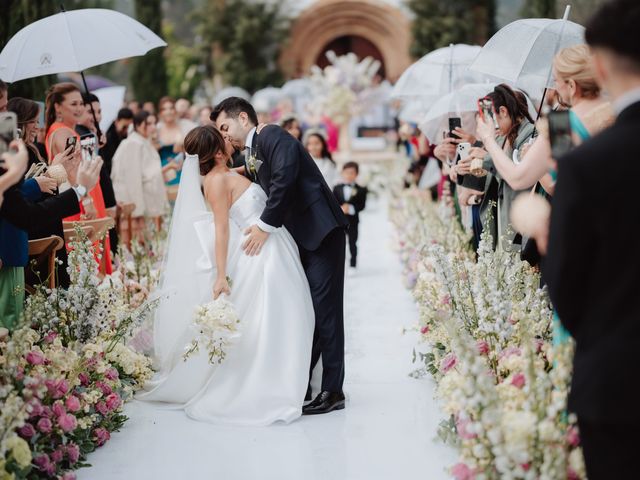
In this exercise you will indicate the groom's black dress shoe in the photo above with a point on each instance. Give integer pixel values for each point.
(325, 402)
(307, 397)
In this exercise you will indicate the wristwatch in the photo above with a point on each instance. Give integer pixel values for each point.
(81, 191)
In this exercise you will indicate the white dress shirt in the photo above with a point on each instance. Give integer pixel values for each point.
(347, 191)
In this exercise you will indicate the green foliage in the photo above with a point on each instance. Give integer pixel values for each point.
(17, 14)
(149, 72)
(183, 64)
(539, 9)
(245, 38)
(437, 23)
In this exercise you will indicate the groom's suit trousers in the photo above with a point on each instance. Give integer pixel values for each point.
(325, 271)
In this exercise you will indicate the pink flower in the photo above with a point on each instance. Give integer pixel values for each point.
(57, 388)
(67, 422)
(27, 431)
(58, 409)
(510, 351)
(460, 471)
(35, 357)
(106, 389)
(483, 347)
(113, 401)
(111, 374)
(45, 425)
(73, 452)
(46, 411)
(69, 476)
(101, 407)
(35, 407)
(72, 403)
(20, 373)
(445, 300)
(573, 436)
(424, 330)
(461, 427)
(42, 461)
(101, 435)
(84, 379)
(518, 380)
(448, 362)
(57, 456)
(572, 475)
(50, 337)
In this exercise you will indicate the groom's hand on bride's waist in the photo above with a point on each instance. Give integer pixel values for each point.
(254, 241)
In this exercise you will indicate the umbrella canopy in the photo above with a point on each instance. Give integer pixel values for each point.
(438, 73)
(231, 92)
(94, 82)
(111, 100)
(300, 91)
(266, 99)
(413, 111)
(74, 41)
(522, 52)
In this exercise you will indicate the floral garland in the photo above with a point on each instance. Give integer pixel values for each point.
(67, 370)
(487, 327)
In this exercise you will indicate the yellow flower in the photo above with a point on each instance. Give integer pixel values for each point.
(20, 451)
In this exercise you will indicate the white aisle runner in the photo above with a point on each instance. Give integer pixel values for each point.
(387, 430)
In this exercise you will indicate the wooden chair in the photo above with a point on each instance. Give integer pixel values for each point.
(70, 233)
(101, 227)
(45, 248)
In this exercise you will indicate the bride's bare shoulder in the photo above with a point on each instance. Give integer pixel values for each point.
(215, 184)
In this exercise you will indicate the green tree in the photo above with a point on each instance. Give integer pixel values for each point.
(149, 72)
(539, 9)
(437, 23)
(184, 71)
(242, 41)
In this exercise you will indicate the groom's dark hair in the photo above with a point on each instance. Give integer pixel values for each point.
(233, 106)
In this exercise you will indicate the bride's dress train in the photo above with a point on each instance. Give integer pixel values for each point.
(264, 376)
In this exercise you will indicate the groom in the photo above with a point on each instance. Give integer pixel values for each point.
(300, 200)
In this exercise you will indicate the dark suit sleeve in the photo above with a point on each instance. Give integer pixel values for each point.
(282, 152)
(337, 192)
(570, 245)
(28, 215)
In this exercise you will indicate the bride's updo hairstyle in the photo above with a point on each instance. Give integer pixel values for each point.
(204, 142)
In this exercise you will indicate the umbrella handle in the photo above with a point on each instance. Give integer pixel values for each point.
(95, 120)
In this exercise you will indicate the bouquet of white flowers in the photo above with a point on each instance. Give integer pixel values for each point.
(216, 327)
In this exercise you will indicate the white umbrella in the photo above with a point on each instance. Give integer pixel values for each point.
(266, 99)
(231, 92)
(413, 110)
(438, 73)
(300, 91)
(74, 41)
(111, 100)
(522, 52)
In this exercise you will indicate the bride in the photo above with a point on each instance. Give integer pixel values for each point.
(265, 374)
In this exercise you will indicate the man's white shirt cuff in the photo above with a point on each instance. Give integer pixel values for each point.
(352, 210)
(265, 227)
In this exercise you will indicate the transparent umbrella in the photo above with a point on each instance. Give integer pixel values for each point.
(231, 92)
(266, 99)
(522, 52)
(438, 73)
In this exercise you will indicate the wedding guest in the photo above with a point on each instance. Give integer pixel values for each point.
(316, 144)
(171, 133)
(291, 124)
(149, 107)
(137, 177)
(182, 108)
(12, 167)
(4, 94)
(64, 107)
(134, 106)
(204, 116)
(515, 128)
(592, 278)
(352, 198)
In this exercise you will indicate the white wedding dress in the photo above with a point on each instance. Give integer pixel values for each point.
(264, 376)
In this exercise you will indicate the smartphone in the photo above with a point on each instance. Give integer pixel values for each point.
(485, 108)
(88, 144)
(8, 130)
(463, 148)
(560, 133)
(454, 122)
(71, 142)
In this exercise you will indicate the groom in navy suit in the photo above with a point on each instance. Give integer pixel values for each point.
(300, 200)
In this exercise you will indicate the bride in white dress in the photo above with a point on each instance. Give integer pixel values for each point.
(264, 376)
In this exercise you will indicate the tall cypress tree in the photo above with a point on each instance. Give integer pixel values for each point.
(539, 9)
(149, 72)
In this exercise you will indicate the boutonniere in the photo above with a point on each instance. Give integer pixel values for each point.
(354, 192)
(253, 164)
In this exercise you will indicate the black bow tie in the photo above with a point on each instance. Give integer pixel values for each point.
(350, 185)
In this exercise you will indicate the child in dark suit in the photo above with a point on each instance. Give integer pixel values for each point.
(352, 197)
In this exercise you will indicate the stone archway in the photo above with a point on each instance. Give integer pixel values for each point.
(385, 27)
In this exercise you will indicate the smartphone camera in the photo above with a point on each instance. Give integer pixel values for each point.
(88, 145)
(560, 133)
(454, 122)
(8, 130)
(485, 107)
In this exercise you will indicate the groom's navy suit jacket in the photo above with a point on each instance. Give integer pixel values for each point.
(299, 197)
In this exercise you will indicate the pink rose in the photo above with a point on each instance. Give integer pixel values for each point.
(50, 337)
(101, 435)
(46, 411)
(518, 380)
(483, 347)
(84, 379)
(101, 408)
(67, 422)
(510, 351)
(57, 456)
(73, 452)
(35, 357)
(111, 374)
(461, 427)
(448, 362)
(106, 389)
(460, 471)
(424, 330)
(572, 475)
(69, 476)
(35, 408)
(27, 431)
(44, 425)
(573, 436)
(20, 373)
(42, 461)
(113, 401)
(57, 388)
(72, 403)
(58, 409)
